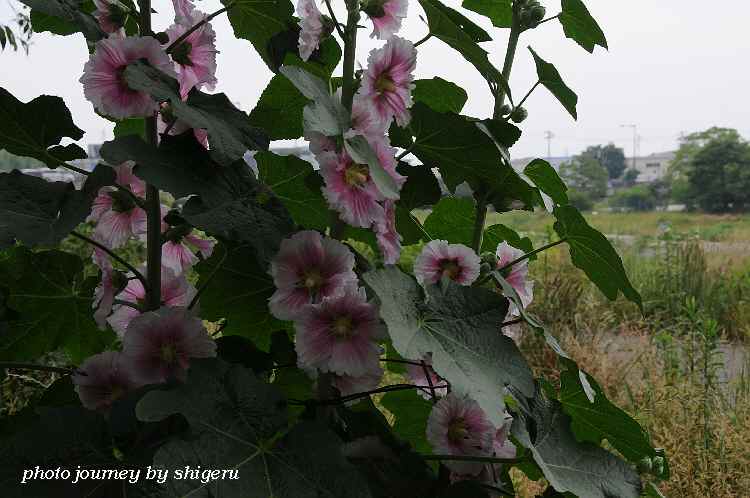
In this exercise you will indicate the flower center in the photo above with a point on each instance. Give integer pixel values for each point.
(117, 392)
(312, 279)
(384, 83)
(121, 201)
(168, 354)
(457, 430)
(342, 327)
(451, 268)
(356, 175)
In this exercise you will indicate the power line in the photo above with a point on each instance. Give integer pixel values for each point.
(548, 135)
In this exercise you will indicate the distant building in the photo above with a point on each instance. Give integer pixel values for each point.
(651, 168)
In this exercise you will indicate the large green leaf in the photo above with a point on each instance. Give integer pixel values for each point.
(460, 326)
(551, 79)
(51, 299)
(34, 129)
(421, 187)
(600, 419)
(227, 201)
(65, 17)
(239, 422)
(452, 219)
(591, 252)
(495, 234)
(229, 130)
(500, 12)
(260, 22)
(583, 469)
(440, 95)
(546, 178)
(410, 413)
(287, 177)
(237, 289)
(324, 114)
(580, 26)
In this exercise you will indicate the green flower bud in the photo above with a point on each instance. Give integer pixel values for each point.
(519, 115)
(537, 14)
(505, 110)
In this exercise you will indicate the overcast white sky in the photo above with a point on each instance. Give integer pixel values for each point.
(673, 66)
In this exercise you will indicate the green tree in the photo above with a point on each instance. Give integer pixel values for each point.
(638, 198)
(610, 156)
(587, 178)
(713, 169)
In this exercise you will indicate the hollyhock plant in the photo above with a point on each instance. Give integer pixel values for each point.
(386, 16)
(159, 344)
(502, 447)
(517, 276)
(116, 213)
(307, 269)
(347, 384)
(103, 78)
(416, 375)
(104, 294)
(195, 56)
(177, 252)
(110, 14)
(458, 426)
(175, 291)
(168, 123)
(387, 82)
(440, 259)
(388, 238)
(102, 379)
(313, 28)
(339, 335)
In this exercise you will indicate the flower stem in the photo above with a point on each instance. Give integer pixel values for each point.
(529, 254)
(335, 21)
(195, 27)
(114, 256)
(510, 54)
(350, 52)
(528, 94)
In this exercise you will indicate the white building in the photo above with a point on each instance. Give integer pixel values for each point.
(651, 168)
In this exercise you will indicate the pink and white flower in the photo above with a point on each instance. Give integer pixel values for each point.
(440, 259)
(346, 384)
(182, 9)
(339, 335)
(517, 276)
(416, 375)
(389, 240)
(458, 426)
(386, 16)
(387, 83)
(175, 291)
(103, 379)
(104, 294)
(502, 447)
(116, 213)
(110, 15)
(195, 56)
(307, 269)
(178, 255)
(170, 124)
(312, 28)
(103, 78)
(159, 344)
(365, 120)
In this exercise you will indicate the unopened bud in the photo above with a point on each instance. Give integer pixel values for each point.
(519, 115)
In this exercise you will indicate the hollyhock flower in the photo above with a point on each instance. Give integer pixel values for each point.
(116, 213)
(386, 16)
(517, 276)
(110, 14)
(182, 9)
(389, 240)
(103, 378)
(513, 331)
(349, 187)
(159, 344)
(440, 259)
(502, 447)
(307, 269)
(458, 426)
(168, 123)
(387, 83)
(175, 291)
(365, 120)
(195, 56)
(347, 384)
(416, 375)
(338, 335)
(104, 84)
(177, 252)
(313, 28)
(104, 294)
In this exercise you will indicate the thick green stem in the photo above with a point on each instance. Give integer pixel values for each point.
(153, 204)
(510, 55)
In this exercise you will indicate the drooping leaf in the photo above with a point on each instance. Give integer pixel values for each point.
(287, 176)
(546, 178)
(324, 114)
(583, 469)
(31, 129)
(440, 95)
(578, 25)
(227, 201)
(37, 212)
(460, 326)
(229, 130)
(237, 289)
(410, 413)
(551, 79)
(500, 12)
(591, 252)
(503, 133)
(239, 422)
(600, 419)
(495, 234)
(260, 22)
(452, 219)
(65, 17)
(361, 151)
(51, 299)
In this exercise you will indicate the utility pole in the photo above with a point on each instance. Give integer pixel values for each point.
(548, 135)
(635, 139)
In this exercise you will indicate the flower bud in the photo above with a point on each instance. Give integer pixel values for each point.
(537, 14)
(519, 115)
(505, 110)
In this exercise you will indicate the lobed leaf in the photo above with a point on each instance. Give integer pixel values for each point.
(579, 26)
(551, 79)
(441, 95)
